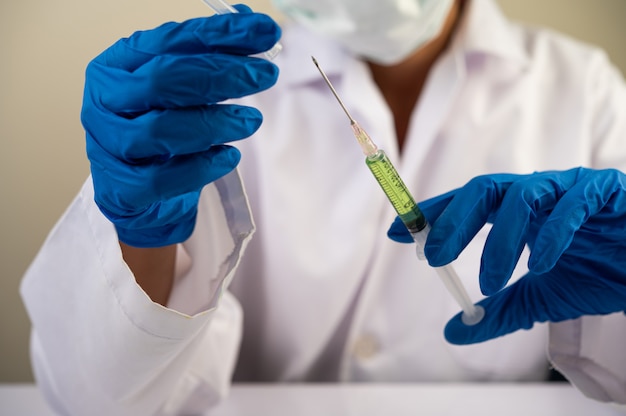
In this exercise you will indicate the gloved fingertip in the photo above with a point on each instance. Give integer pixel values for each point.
(269, 75)
(440, 249)
(250, 117)
(231, 155)
(265, 25)
(242, 8)
(436, 256)
(399, 238)
(489, 282)
(457, 333)
(398, 232)
(223, 158)
(488, 288)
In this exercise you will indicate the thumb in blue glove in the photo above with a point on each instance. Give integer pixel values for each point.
(155, 129)
(574, 223)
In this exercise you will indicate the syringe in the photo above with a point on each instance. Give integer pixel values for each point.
(222, 7)
(406, 207)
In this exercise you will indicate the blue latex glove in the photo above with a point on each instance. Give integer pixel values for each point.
(574, 223)
(155, 131)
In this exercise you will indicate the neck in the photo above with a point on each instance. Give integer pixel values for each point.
(401, 84)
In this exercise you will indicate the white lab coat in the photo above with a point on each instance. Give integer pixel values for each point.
(321, 294)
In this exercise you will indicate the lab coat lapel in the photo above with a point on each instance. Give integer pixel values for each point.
(429, 114)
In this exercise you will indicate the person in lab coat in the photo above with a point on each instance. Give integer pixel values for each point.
(150, 295)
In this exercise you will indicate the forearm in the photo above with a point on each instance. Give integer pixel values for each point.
(153, 269)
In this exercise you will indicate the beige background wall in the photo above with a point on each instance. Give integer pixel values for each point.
(44, 48)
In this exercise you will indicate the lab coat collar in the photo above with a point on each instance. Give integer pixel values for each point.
(485, 30)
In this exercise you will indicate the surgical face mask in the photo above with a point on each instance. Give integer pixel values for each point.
(383, 31)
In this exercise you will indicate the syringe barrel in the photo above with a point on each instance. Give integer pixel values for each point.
(396, 191)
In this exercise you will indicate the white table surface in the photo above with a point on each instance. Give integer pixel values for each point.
(551, 399)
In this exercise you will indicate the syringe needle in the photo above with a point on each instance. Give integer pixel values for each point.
(368, 147)
(333, 90)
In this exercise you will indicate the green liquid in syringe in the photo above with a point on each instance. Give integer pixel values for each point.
(396, 191)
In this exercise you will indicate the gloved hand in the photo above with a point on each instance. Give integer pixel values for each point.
(574, 223)
(155, 131)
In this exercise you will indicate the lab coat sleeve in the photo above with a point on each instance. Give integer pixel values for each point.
(589, 351)
(100, 346)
